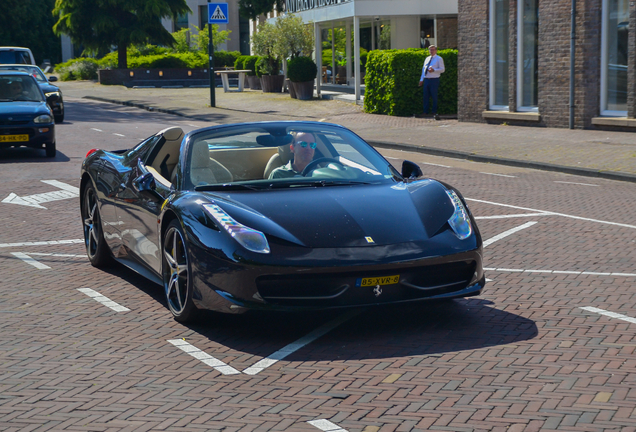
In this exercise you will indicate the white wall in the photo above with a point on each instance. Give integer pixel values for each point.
(405, 32)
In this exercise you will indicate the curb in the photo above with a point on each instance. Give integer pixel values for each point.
(456, 154)
(584, 172)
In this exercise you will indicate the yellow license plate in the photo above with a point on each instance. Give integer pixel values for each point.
(374, 281)
(12, 138)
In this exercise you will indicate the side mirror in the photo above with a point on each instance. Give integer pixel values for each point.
(52, 78)
(410, 170)
(147, 186)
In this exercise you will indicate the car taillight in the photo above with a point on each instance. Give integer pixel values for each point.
(90, 152)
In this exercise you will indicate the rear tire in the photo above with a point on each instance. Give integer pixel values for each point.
(59, 118)
(96, 247)
(50, 149)
(177, 280)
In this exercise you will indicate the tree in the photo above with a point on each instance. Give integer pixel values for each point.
(28, 23)
(100, 24)
(253, 8)
(188, 41)
(294, 38)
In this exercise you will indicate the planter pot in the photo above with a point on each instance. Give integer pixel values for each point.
(304, 90)
(254, 82)
(272, 83)
(292, 89)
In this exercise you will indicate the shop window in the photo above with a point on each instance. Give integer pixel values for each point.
(527, 55)
(614, 58)
(499, 12)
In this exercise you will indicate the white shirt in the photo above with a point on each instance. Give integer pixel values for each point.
(437, 63)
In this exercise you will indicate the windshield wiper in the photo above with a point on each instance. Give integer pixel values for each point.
(228, 186)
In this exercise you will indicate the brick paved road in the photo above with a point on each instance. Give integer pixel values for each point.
(524, 356)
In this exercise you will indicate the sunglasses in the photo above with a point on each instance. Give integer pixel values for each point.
(304, 144)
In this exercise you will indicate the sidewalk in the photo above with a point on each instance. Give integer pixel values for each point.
(592, 153)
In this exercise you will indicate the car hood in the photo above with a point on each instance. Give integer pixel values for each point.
(343, 216)
(23, 108)
(48, 88)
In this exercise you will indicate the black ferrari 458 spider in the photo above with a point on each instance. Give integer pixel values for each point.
(279, 216)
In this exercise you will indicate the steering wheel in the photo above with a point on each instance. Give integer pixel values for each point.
(313, 164)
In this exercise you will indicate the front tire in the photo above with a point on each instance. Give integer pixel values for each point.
(50, 149)
(177, 280)
(96, 247)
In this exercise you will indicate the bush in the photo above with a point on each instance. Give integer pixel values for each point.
(392, 77)
(225, 58)
(301, 69)
(267, 66)
(239, 62)
(78, 69)
(249, 63)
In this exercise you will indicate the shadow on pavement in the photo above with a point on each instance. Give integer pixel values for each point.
(29, 155)
(377, 332)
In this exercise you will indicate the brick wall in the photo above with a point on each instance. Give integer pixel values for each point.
(447, 33)
(472, 67)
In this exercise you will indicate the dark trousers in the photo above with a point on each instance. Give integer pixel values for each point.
(431, 88)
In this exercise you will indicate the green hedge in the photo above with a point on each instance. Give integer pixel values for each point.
(392, 77)
(225, 58)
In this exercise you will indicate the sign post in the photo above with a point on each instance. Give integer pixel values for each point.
(217, 14)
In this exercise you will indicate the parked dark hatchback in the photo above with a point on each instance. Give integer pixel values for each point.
(53, 93)
(26, 120)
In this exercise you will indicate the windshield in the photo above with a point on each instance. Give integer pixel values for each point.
(279, 155)
(35, 72)
(19, 88)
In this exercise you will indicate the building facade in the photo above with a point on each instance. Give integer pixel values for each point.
(562, 63)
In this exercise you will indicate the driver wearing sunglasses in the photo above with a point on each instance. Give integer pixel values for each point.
(303, 148)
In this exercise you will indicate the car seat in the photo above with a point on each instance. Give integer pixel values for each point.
(205, 170)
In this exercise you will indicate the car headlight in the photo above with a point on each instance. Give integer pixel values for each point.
(249, 238)
(44, 118)
(50, 94)
(459, 221)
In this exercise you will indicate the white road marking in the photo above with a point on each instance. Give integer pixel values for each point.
(610, 314)
(507, 233)
(326, 425)
(575, 183)
(498, 175)
(553, 213)
(98, 130)
(67, 192)
(41, 243)
(513, 216)
(27, 259)
(587, 273)
(437, 165)
(295, 346)
(204, 357)
(119, 134)
(103, 300)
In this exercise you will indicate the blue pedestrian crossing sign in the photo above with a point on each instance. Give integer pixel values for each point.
(217, 13)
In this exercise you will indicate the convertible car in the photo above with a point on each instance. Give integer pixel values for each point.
(279, 216)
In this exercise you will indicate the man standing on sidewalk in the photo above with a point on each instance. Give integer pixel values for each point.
(431, 71)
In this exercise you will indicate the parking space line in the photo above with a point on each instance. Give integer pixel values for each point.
(437, 165)
(609, 314)
(103, 300)
(507, 233)
(585, 273)
(204, 357)
(326, 425)
(575, 183)
(98, 130)
(553, 213)
(27, 259)
(41, 243)
(513, 216)
(498, 175)
(117, 134)
(295, 346)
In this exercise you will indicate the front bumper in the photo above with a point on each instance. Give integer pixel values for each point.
(38, 136)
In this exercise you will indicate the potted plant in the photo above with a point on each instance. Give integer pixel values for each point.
(253, 77)
(293, 39)
(302, 72)
(264, 43)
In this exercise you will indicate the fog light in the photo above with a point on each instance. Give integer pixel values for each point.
(43, 130)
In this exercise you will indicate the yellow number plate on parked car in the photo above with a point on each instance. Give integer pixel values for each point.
(385, 280)
(11, 138)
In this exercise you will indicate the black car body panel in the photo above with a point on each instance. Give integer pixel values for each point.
(383, 240)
